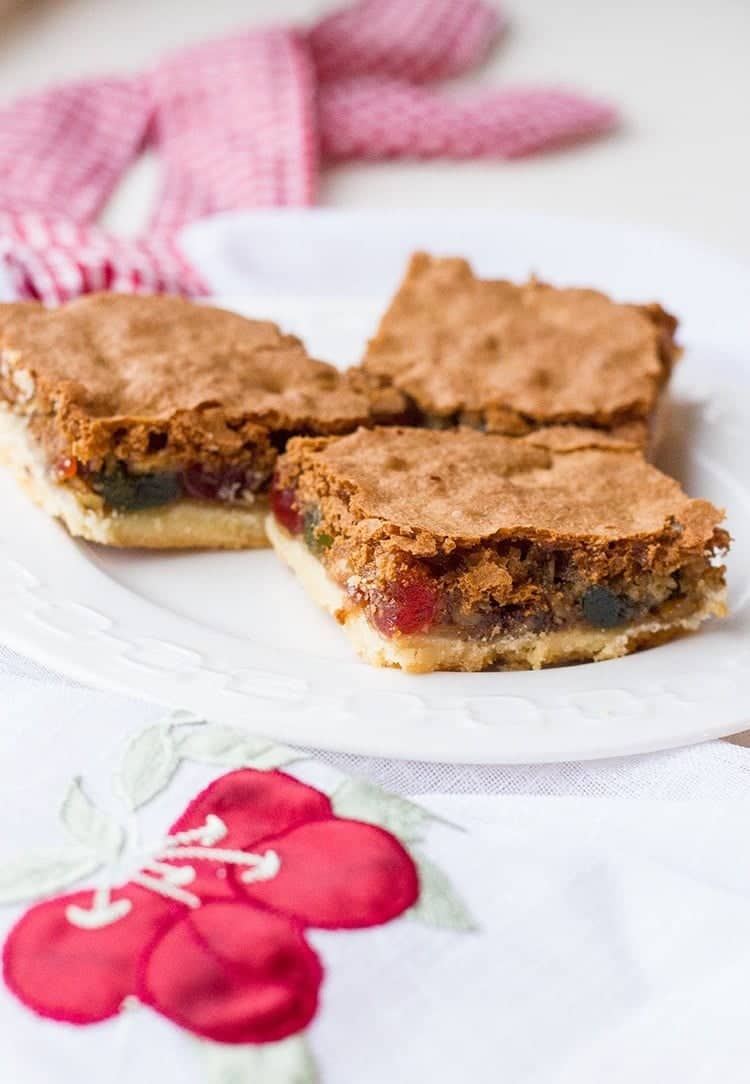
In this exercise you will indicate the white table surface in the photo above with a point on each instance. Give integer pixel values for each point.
(678, 70)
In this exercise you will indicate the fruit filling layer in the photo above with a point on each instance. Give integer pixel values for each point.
(499, 588)
(124, 490)
(159, 470)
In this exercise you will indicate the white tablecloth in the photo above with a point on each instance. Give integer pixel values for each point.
(611, 900)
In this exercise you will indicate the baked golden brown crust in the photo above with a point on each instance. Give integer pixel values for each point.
(159, 381)
(442, 489)
(482, 537)
(510, 357)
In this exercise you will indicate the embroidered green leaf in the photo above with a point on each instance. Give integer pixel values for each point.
(43, 873)
(88, 825)
(149, 763)
(367, 802)
(438, 903)
(215, 743)
(275, 756)
(285, 1062)
(183, 717)
(232, 747)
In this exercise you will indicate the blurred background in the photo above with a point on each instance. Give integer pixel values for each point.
(677, 71)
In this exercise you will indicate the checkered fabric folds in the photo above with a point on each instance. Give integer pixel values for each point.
(246, 122)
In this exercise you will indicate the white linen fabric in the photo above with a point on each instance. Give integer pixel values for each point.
(612, 900)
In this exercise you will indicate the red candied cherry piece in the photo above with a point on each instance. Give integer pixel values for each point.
(233, 973)
(252, 805)
(229, 483)
(65, 972)
(406, 608)
(202, 484)
(64, 469)
(284, 507)
(337, 874)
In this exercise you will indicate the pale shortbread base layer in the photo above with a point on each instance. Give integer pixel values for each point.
(530, 651)
(184, 524)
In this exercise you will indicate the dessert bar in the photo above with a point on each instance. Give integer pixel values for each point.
(457, 550)
(152, 421)
(511, 358)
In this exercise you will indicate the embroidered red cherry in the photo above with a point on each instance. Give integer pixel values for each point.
(66, 972)
(253, 806)
(232, 973)
(337, 874)
(286, 510)
(260, 856)
(406, 608)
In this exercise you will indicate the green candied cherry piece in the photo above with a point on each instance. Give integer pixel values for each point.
(603, 608)
(127, 492)
(313, 540)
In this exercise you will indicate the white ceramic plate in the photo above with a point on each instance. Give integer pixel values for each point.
(233, 636)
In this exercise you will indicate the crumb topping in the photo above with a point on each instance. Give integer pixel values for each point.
(440, 489)
(157, 379)
(510, 357)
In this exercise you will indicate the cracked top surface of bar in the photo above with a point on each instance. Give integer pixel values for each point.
(111, 364)
(433, 491)
(518, 356)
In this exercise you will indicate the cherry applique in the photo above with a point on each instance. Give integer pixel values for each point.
(252, 806)
(65, 972)
(353, 884)
(211, 932)
(232, 973)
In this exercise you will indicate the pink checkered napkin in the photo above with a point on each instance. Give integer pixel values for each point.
(243, 122)
(417, 40)
(64, 150)
(356, 121)
(236, 125)
(54, 259)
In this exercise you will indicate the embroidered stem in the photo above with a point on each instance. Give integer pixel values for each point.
(177, 875)
(96, 918)
(102, 896)
(164, 887)
(211, 831)
(268, 861)
(169, 880)
(268, 867)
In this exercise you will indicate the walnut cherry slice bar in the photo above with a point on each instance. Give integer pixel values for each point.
(152, 421)
(458, 550)
(510, 358)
